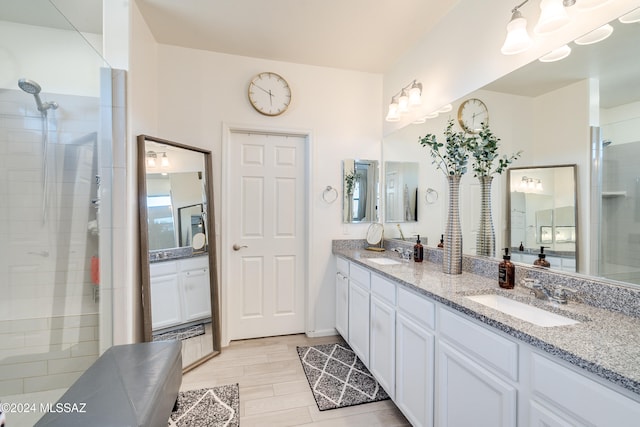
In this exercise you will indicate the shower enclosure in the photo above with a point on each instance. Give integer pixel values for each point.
(618, 153)
(53, 319)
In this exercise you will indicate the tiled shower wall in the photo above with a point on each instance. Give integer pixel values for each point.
(621, 208)
(48, 310)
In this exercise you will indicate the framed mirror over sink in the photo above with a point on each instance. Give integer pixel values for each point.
(177, 248)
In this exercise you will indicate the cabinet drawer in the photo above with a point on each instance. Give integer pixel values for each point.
(383, 288)
(580, 397)
(194, 263)
(419, 308)
(163, 268)
(496, 352)
(342, 266)
(359, 274)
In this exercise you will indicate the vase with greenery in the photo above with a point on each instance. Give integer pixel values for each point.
(451, 158)
(487, 163)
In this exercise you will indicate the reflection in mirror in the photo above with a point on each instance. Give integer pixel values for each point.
(360, 188)
(401, 191)
(542, 213)
(179, 285)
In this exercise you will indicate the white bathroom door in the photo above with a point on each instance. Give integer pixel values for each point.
(267, 225)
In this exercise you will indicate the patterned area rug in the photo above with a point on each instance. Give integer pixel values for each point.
(181, 334)
(208, 407)
(337, 377)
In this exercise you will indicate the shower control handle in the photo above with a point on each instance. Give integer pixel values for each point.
(237, 247)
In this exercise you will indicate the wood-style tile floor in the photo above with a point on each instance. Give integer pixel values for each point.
(274, 390)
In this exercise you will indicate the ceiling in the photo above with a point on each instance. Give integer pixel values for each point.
(362, 35)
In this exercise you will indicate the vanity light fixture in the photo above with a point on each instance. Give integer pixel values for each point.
(556, 54)
(164, 161)
(518, 39)
(595, 36)
(401, 103)
(151, 159)
(631, 17)
(553, 16)
(528, 185)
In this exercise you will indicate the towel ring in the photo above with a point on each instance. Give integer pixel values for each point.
(431, 196)
(330, 194)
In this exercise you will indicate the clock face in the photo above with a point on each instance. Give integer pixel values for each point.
(269, 94)
(471, 114)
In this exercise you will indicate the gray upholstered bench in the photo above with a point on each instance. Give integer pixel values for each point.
(129, 385)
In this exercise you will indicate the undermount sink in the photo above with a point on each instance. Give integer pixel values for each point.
(383, 261)
(522, 311)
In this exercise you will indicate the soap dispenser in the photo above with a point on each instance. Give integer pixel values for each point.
(541, 261)
(506, 271)
(418, 251)
(441, 244)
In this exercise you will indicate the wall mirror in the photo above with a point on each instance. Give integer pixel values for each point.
(360, 181)
(177, 248)
(542, 210)
(401, 191)
(607, 182)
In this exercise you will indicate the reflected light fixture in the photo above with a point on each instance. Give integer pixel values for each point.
(164, 161)
(408, 97)
(151, 159)
(631, 17)
(591, 4)
(445, 108)
(595, 36)
(553, 16)
(518, 39)
(556, 54)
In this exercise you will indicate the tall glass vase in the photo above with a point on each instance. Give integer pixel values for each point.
(452, 256)
(486, 240)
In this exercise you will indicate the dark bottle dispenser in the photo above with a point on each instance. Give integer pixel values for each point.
(418, 251)
(506, 271)
(541, 261)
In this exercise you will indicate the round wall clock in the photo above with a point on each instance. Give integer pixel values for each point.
(269, 94)
(471, 114)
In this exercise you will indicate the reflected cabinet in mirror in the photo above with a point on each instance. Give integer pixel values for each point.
(177, 248)
(401, 191)
(360, 180)
(542, 215)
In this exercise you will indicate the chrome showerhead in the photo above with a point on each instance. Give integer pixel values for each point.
(34, 89)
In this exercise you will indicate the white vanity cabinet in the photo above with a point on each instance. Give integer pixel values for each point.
(166, 304)
(342, 297)
(477, 374)
(359, 284)
(561, 396)
(415, 344)
(180, 291)
(196, 292)
(382, 354)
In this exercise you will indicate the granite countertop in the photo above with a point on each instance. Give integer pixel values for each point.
(605, 342)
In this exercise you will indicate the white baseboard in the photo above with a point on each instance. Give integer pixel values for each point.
(322, 333)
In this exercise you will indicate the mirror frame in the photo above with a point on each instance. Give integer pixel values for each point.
(507, 242)
(145, 275)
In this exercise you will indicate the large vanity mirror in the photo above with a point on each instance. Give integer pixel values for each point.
(542, 215)
(360, 181)
(177, 248)
(585, 110)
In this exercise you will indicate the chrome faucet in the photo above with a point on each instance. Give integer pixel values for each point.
(556, 294)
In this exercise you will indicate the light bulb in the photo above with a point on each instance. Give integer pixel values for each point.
(164, 161)
(553, 16)
(518, 39)
(415, 94)
(392, 114)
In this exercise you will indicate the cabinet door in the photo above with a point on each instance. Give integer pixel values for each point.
(414, 371)
(196, 294)
(382, 358)
(342, 305)
(359, 321)
(470, 395)
(541, 416)
(166, 308)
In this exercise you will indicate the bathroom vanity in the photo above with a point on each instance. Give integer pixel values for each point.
(448, 360)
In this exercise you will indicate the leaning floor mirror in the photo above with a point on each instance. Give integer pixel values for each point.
(177, 248)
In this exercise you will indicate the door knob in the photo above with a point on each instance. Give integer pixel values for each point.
(237, 247)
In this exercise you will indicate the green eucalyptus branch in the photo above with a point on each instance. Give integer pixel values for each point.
(456, 151)
(484, 149)
(349, 180)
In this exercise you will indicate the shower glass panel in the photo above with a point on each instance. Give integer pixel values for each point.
(620, 224)
(52, 313)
